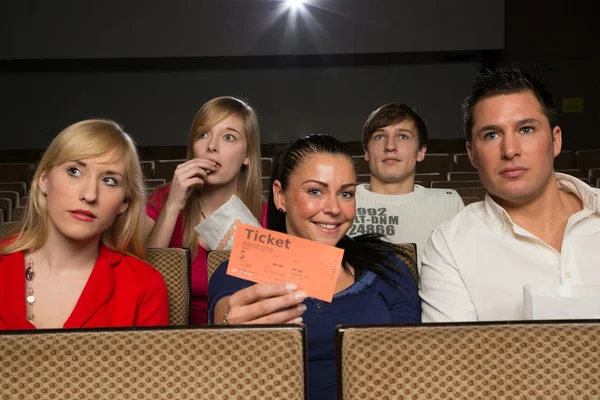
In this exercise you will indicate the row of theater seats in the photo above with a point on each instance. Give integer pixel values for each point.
(453, 171)
(462, 361)
(520, 360)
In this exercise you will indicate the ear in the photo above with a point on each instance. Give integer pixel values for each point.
(278, 197)
(471, 153)
(246, 161)
(366, 155)
(421, 153)
(124, 206)
(557, 140)
(43, 181)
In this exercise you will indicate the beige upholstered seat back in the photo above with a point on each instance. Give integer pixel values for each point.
(471, 200)
(480, 361)
(478, 192)
(204, 363)
(215, 258)
(174, 264)
(7, 207)
(7, 228)
(19, 213)
(411, 258)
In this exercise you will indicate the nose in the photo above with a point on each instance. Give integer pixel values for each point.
(390, 144)
(89, 190)
(510, 146)
(212, 145)
(332, 205)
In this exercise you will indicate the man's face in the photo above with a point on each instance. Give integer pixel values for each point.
(393, 152)
(513, 147)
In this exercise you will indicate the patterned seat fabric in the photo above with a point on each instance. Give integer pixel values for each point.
(411, 258)
(18, 214)
(8, 228)
(491, 361)
(478, 192)
(205, 363)
(174, 265)
(215, 258)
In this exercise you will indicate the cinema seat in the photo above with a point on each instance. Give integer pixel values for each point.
(518, 360)
(219, 363)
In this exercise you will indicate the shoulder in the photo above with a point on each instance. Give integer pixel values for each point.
(442, 194)
(144, 274)
(157, 197)
(362, 190)
(465, 220)
(10, 259)
(402, 274)
(400, 284)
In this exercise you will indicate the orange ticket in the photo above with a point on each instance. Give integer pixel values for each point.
(260, 255)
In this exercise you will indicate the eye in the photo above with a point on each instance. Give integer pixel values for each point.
(403, 137)
(110, 181)
(314, 192)
(73, 171)
(527, 129)
(229, 137)
(348, 195)
(490, 135)
(379, 137)
(203, 135)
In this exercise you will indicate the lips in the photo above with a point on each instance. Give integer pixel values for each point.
(513, 172)
(83, 215)
(390, 160)
(218, 166)
(327, 228)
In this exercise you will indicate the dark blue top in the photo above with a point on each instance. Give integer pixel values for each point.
(370, 300)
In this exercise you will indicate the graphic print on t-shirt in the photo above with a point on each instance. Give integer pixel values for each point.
(374, 220)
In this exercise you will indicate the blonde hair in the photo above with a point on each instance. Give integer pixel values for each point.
(249, 181)
(88, 139)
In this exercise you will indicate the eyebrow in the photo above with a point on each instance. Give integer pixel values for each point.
(231, 129)
(489, 128)
(326, 185)
(108, 172)
(396, 130)
(498, 128)
(527, 121)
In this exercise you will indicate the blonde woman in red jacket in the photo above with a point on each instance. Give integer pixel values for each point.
(76, 261)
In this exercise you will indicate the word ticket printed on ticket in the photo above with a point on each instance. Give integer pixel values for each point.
(260, 255)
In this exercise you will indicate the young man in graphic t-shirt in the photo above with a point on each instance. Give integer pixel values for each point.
(395, 140)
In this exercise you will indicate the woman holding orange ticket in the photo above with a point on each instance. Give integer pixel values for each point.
(312, 197)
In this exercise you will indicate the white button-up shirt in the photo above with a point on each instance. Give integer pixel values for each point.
(476, 264)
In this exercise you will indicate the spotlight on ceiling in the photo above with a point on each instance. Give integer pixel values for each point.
(294, 4)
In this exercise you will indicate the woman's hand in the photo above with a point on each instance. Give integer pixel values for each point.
(266, 303)
(186, 178)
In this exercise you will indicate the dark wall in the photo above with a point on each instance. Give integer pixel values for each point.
(68, 29)
(151, 66)
(559, 41)
(157, 107)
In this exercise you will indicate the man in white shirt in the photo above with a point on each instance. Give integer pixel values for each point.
(395, 139)
(535, 227)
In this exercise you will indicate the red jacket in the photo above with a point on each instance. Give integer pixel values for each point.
(121, 291)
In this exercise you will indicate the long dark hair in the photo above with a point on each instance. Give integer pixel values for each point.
(370, 252)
